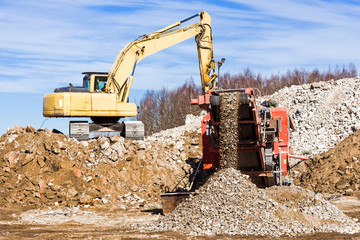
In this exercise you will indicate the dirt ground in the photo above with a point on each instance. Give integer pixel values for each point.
(113, 223)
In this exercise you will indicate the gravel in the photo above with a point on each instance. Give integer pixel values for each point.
(230, 204)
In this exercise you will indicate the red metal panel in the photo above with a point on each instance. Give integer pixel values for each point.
(210, 153)
(283, 140)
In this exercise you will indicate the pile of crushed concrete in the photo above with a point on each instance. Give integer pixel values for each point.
(43, 168)
(335, 171)
(230, 204)
(325, 113)
(327, 118)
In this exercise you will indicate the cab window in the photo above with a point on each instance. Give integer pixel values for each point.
(86, 82)
(100, 83)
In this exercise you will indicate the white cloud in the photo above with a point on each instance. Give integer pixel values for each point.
(48, 44)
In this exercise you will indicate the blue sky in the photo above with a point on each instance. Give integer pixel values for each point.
(47, 44)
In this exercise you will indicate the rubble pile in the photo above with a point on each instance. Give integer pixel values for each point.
(327, 118)
(192, 124)
(335, 171)
(324, 113)
(230, 204)
(40, 167)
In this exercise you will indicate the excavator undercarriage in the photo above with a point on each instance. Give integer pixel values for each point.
(81, 130)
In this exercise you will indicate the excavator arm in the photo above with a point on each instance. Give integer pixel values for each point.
(121, 74)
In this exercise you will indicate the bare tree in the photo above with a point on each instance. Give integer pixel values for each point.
(166, 108)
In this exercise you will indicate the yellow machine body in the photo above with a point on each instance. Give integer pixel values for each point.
(78, 104)
(90, 102)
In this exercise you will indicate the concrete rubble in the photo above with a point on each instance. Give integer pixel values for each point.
(230, 204)
(228, 130)
(325, 113)
(42, 168)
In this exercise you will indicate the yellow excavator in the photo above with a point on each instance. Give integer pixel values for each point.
(104, 96)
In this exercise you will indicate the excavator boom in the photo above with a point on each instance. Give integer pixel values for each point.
(121, 74)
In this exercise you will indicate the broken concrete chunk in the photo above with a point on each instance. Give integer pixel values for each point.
(72, 192)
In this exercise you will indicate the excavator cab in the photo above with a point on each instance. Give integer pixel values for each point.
(92, 82)
(95, 81)
(100, 83)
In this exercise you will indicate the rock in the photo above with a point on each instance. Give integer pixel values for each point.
(104, 143)
(77, 172)
(116, 138)
(29, 129)
(55, 148)
(41, 162)
(325, 108)
(88, 179)
(42, 184)
(14, 130)
(141, 146)
(85, 199)
(11, 158)
(71, 192)
(55, 187)
(349, 192)
(119, 148)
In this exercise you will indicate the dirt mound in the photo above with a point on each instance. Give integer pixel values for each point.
(337, 170)
(40, 168)
(230, 204)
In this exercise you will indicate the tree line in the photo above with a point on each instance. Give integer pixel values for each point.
(163, 109)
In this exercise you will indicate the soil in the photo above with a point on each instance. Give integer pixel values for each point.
(111, 223)
(350, 205)
(43, 168)
(335, 171)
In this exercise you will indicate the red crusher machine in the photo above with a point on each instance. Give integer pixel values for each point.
(264, 137)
